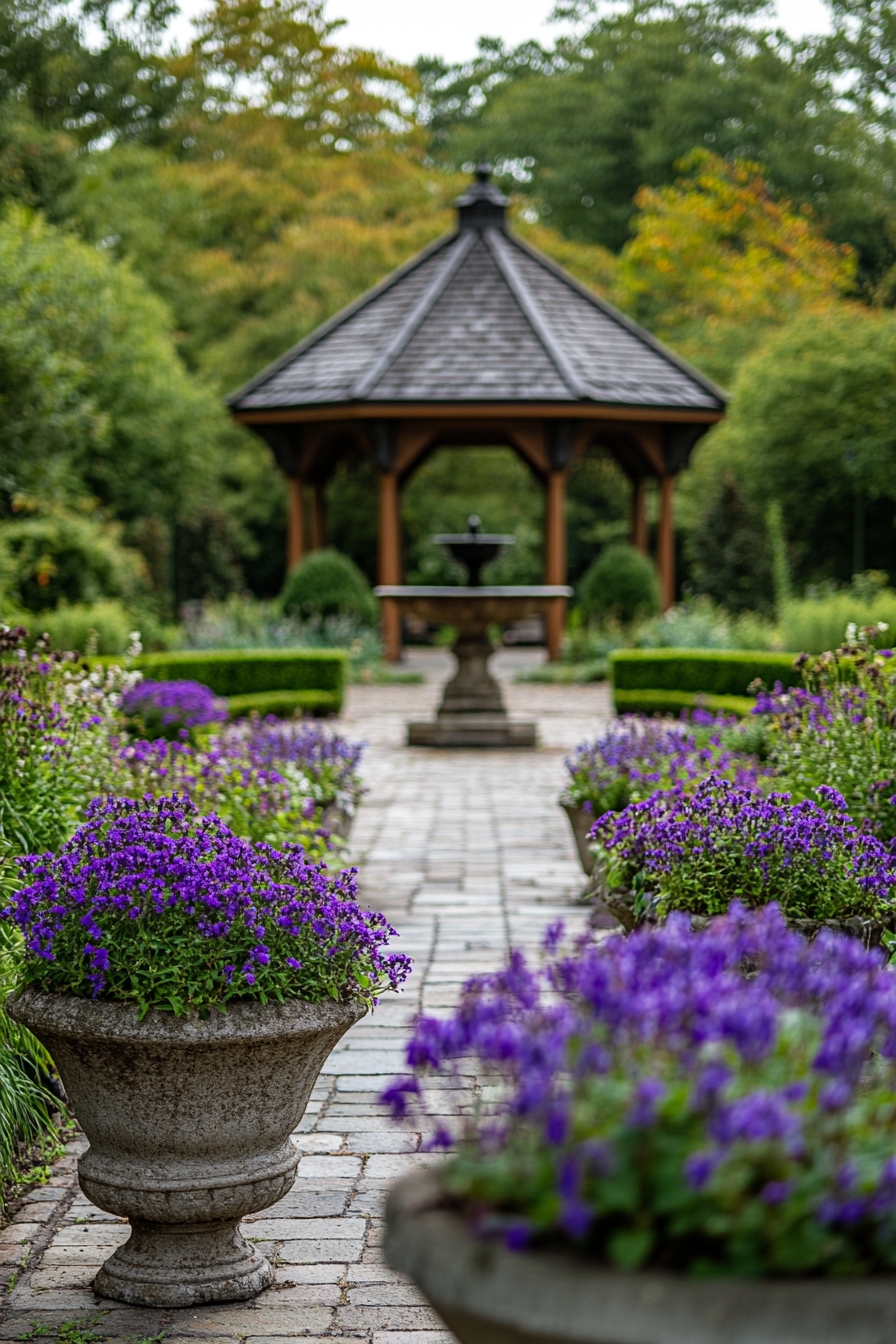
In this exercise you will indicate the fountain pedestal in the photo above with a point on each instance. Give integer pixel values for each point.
(472, 712)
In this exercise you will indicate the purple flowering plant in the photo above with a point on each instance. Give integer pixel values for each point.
(267, 780)
(638, 756)
(698, 851)
(170, 708)
(152, 903)
(838, 729)
(712, 1103)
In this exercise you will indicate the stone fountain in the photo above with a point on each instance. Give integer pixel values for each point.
(472, 712)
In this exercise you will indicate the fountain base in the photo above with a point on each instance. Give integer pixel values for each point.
(472, 712)
(472, 730)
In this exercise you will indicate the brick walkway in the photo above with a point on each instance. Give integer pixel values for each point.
(468, 854)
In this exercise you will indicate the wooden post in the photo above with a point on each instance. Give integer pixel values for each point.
(666, 543)
(389, 564)
(295, 529)
(638, 534)
(555, 556)
(319, 518)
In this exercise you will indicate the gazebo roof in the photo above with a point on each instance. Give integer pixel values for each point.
(479, 317)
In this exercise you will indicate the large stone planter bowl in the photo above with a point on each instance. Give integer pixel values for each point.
(489, 1295)
(189, 1125)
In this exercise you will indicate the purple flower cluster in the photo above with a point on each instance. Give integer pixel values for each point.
(153, 903)
(638, 756)
(714, 1102)
(328, 759)
(699, 851)
(161, 706)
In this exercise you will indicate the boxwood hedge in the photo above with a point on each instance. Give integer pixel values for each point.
(699, 671)
(241, 672)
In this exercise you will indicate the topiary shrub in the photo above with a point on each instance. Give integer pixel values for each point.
(620, 584)
(327, 583)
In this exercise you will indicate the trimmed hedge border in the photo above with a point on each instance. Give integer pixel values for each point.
(673, 702)
(700, 671)
(240, 672)
(284, 704)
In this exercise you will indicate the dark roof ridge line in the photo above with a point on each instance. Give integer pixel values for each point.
(494, 241)
(340, 317)
(617, 315)
(364, 385)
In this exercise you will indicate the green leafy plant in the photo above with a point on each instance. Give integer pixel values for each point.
(327, 583)
(620, 584)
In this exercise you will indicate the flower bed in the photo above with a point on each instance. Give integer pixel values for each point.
(719, 1103)
(638, 756)
(698, 852)
(838, 729)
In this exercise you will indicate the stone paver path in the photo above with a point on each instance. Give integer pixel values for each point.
(468, 854)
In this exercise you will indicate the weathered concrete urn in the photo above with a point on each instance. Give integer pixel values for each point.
(189, 1125)
(489, 1295)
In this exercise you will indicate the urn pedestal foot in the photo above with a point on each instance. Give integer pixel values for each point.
(472, 712)
(183, 1265)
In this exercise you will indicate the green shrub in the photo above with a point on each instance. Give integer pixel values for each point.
(813, 625)
(673, 702)
(284, 704)
(327, 583)
(621, 584)
(58, 556)
(706, 672)
(247, 672)
(73, 627)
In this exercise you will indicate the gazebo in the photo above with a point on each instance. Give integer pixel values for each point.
(480, 340)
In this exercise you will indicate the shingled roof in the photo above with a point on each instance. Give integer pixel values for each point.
(479, 317)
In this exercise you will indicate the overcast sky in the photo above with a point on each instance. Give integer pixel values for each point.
(406, 29)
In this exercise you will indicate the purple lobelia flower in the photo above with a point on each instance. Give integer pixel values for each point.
(166, 708)
(152, 903)
(657, 1098)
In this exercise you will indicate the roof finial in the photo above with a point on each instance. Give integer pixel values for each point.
(482, 205)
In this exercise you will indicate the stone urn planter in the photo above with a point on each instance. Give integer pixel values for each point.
(189, 1124)
(489, 1295)
(338, 820)
(581, 823)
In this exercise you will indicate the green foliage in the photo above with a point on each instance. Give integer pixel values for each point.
(96, 400)
(621, 585)
(597, 504)
(728, 549)
(99, 627)
(248, 672)
(58, 556)
(811, 428)
(814, 624)
(581, 127)
(697, 624)
(674, 702)
(326, 584)
(708, 672)
(26, 1105)
(284, 704)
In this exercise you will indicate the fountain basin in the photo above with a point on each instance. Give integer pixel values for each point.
(472, 712)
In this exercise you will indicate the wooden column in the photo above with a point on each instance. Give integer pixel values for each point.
(389, 565)
(665, 550)
(295, 528)
(319, 518)
(638, 535)
(555, 556)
